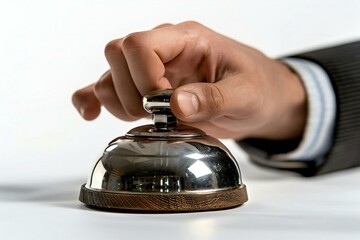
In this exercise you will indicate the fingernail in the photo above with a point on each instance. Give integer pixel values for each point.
(188, 103)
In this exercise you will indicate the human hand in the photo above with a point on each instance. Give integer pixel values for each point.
(225, 88)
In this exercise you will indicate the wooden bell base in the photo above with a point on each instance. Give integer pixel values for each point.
(164, 202)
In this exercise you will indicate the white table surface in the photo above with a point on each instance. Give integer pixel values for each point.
(281, 206)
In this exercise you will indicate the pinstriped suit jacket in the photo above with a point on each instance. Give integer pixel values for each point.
(342, 63)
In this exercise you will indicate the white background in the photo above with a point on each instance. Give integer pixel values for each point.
(48, 49)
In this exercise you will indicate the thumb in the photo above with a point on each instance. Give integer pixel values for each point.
(197, 102)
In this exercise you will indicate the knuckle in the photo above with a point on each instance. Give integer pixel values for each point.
(192, 24)
(133, 41)
(113, 48)
(215, 99)
(163, 25)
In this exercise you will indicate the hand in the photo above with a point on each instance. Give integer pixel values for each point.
(223, 87)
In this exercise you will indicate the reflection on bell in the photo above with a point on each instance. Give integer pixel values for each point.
(164, 167)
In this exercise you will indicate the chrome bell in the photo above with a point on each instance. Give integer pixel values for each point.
(164, 167)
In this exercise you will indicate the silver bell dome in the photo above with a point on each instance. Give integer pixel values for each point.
(164, 167)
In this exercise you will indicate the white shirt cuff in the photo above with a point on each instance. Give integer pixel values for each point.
(318, 132)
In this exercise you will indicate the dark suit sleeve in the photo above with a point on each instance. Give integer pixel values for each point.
(342, 64)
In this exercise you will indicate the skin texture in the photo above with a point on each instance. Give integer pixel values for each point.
(223, 87)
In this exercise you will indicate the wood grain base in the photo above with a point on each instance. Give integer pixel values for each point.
(164, 202)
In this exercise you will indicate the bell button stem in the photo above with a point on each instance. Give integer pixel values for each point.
(158, 104)
(164, 121)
